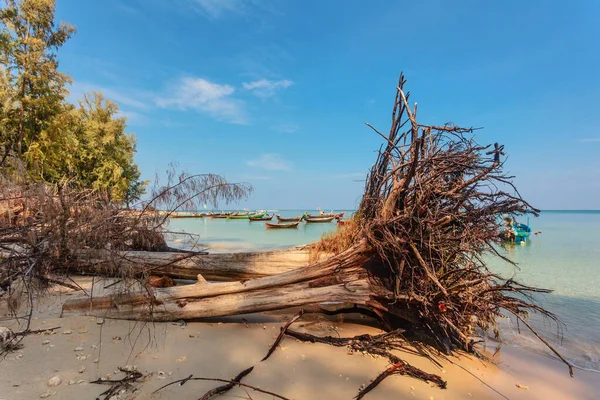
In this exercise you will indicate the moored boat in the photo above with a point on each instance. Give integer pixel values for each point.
(291, 219)
(318, 219)
(321, 215)
(262, 217)
(515, 232)
(286, 225)
(238, 216)
(220, 215)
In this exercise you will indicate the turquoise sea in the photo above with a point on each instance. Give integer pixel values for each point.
(565, 257)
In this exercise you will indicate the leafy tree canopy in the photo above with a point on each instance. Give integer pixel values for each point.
(85, 144)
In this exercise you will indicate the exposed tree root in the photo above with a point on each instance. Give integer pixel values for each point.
(376, 345)
(117, 384)
(402, 368)
(224, 388)
(233, 383)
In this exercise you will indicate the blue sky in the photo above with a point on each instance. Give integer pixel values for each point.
(276, 93)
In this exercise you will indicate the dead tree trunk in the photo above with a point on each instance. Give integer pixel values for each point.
(341, 278)
(213, 267)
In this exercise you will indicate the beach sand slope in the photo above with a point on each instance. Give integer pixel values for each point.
(83, 350)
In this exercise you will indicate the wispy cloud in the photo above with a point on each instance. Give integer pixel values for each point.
(217, 8)
(202, 95)
(265, 88)
(286, 128)
(134, 100)
(589, 140)
(271, 162)
(133, 104)
(223, 102)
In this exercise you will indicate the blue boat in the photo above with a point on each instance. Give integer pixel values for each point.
(522, 232)
(516, 232)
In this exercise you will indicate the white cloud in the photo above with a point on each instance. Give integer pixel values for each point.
(271, 162)
(264, 88)
(222, 102)
(205, 96)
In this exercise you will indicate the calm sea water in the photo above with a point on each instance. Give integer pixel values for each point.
(565, 257)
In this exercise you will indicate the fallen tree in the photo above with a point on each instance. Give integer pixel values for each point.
(341, 278)
(431, 210)
(413, 254)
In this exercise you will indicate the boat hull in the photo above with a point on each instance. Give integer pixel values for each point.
(261, 218)
(290, 225)
(291, 219)
(318, 220)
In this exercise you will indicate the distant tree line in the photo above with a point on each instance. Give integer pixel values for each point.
(43, 137)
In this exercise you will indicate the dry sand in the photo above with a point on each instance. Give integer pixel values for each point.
(83, 350)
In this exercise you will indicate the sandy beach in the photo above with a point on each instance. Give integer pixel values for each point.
(312, 200)
(82, 350)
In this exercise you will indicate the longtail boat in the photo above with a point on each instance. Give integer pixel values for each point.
(261, 218)
(324, 215)
(292, 219)
(238, 216)
(320, 219)
(287, 225)
(220, 215)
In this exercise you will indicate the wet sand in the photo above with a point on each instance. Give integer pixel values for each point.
(82, 350)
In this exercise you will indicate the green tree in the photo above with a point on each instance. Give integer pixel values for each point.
(7, 107)
(57, 142)
(106, 160)
(87, 146)
(29, 41)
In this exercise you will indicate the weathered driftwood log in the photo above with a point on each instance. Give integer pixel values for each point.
(213, 267)
(342, 278)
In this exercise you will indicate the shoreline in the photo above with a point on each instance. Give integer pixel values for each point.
(223, 347)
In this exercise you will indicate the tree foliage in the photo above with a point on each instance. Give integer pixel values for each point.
(85, 144)
(30, 41)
